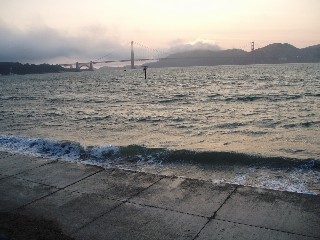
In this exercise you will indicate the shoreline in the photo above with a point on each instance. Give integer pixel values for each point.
(89, 202)
(269, 172)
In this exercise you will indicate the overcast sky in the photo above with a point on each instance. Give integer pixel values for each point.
(56, 31)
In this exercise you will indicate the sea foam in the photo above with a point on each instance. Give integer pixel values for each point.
(218, 167)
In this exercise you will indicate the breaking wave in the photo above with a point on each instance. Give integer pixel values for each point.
(277, 173)
(74, 151)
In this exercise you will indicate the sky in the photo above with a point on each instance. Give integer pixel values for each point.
(60, 31)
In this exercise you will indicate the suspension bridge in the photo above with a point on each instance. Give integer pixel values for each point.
(156, 55)
(90, 65)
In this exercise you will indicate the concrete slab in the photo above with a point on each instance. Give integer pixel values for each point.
(156, 207)
(14, 164)
(59, 174)
(18, 192)
(116, 183)
(284, 211)
(70, 209)
(218, 230)
(185, 195)
(131, 221)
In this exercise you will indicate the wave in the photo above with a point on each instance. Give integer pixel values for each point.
(64, 150)
(74, 151)
(312, 94)
(276, 173)
(252, 98)
(17, 98)
(231, 125)
(303, 124)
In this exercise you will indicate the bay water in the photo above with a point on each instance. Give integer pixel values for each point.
(255, 125)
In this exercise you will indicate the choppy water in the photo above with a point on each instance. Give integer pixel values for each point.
(255, 125)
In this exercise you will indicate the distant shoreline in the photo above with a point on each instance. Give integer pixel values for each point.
(276, 53)
(16, 68)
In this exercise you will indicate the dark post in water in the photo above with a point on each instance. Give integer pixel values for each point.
(132, 56)
(145, 71)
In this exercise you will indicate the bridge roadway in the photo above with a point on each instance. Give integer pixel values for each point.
(89, 202)
(89, 65)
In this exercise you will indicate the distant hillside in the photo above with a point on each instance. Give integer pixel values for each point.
(273, 54)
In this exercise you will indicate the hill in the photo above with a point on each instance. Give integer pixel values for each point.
(271, 54)
(7, 68)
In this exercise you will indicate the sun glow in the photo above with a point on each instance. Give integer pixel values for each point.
(158, 23)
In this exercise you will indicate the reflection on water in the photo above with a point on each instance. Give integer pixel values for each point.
(260, 109)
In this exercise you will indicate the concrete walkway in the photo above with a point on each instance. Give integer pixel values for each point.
(89, 202)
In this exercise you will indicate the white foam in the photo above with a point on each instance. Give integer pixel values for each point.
(62, 150)
(297, 180)
(102, 152)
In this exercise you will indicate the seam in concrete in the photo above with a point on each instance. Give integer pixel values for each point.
(197, 235)
(215, 213)
(90, 175)
(272, 229)
(58, 189)
(167, 209)
(31, 181)
(14, 175)
(224, 202)
(7, 153)
(97, 217)
(250, 225)
(142, 190)
(24, 205)
(5, 156)
(4, 177)
(109, 197)
(121, 202)
(143, 205)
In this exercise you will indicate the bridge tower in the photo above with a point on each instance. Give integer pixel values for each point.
(91, 66)
(132, 56)
(252, 46)
(77, 66)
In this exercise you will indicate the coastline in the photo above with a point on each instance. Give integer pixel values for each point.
(89, 202)
(269, 172)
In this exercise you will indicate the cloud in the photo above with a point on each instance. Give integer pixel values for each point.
(180, 45)
(45, 44)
